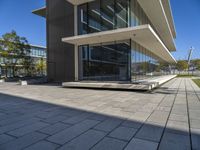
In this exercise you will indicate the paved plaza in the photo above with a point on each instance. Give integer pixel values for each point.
(48, 117)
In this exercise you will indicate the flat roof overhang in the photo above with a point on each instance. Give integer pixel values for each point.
(40, 12)
(79, 2)
(143, 35)
(168, 11)
(155, 11)
(159, 12)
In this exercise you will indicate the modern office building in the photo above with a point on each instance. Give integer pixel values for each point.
(108, 40)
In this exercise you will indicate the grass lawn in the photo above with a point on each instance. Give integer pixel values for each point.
(185, 75)
(197, 81)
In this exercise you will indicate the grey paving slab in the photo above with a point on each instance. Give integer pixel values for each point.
(140, 116)
(28, 129)
(195, 137)
(42, 145)
(151, 132)
(55, 128)
(159, 117)
(76, 119)
(48, 114)
(175, 117)
(84, 141)
(110, 144)
(195, 123)
(55, 119)
(123, 133)
(178, 127)
(71, 113)
(161, 108)
(108, 125)
(15, 119)
(16, 125)
(5, 138)
(139, 144)
(173, 141)
(72, 132)
(132, 124)
(99, 117)
(23, 141)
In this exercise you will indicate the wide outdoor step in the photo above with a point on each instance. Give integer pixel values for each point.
(148, 84)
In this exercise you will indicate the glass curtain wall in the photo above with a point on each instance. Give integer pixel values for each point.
(106, 61)
(118, 60)
(103, 15)
(144, 64)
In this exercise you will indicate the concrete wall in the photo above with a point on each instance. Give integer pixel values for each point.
(60, 56)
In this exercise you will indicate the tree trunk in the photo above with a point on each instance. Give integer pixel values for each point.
(13, 71)
(6, 68)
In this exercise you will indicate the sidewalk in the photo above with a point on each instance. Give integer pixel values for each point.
(51, 117)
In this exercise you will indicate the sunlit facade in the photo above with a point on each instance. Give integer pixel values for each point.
(124, 60)
(108, 40)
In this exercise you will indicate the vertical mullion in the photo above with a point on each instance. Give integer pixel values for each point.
(129, 13)
(130, 58)
(87, 8)
(115, 16)
(101, 20)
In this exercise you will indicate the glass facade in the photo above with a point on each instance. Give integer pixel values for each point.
(107, 61)
(38, 52)
(144, 64)
(103, 15)
(118, 60)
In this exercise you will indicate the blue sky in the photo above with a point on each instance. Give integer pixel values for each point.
(187, 21)
(16, 14)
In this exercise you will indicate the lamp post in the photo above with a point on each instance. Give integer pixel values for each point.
(189, 58)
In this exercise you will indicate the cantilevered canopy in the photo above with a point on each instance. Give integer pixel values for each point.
(159, 13)
(168, 11)
(78, 2)
(144, 35)
(40, 12)
(155, 11)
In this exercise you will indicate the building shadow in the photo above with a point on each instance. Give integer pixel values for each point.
(131, 134)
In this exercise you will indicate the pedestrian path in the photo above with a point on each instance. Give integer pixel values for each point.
(51, 117)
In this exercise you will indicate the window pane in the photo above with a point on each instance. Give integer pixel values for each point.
(107, 15)
(121, 12)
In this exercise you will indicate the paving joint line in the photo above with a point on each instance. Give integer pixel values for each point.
(169, 114)
(194, 91)
(147, 119)
(76, 136)
(188, 112)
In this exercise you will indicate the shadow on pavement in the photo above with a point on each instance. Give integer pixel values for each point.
(32, 124)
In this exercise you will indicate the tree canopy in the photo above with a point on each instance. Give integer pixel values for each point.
(14, 49)
(182, 65)
(196, 63)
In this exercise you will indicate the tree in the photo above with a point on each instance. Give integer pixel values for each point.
(182, 65)
(196, 63)
(162, 66)
(15, 48)
(28, 65)
(4, 55)
(41, 66)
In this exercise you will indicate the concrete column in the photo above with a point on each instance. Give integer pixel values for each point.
(76, 46)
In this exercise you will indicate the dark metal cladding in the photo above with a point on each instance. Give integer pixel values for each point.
(60, 56)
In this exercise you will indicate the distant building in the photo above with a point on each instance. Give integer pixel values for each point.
(37, 53)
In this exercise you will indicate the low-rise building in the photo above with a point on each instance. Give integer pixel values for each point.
(37, 53)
